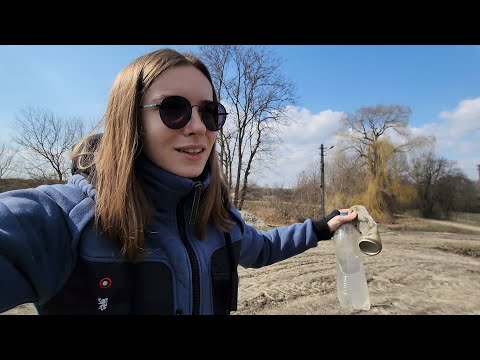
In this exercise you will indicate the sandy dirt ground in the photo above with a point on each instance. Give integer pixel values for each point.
(417, 272)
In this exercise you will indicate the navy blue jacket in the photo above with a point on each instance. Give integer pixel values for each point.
(51, 255)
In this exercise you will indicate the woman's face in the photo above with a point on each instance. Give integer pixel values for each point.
(183, 152)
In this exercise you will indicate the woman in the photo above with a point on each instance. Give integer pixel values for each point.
(145, 225)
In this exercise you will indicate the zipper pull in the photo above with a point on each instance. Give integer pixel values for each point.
(196, 202)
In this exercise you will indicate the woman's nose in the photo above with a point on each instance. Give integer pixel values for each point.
(195, 125)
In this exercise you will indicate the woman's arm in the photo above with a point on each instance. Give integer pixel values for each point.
(36, 255)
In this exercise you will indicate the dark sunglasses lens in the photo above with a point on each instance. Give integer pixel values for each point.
(175, 112)
(214, 115)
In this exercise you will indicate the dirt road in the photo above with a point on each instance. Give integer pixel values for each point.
(416, 273)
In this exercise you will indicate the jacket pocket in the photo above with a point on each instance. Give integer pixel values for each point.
(154, 289)
(100, 288)
(116, 288)
(224, 264)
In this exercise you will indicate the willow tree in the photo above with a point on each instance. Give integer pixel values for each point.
(250, 83)
(378, 135)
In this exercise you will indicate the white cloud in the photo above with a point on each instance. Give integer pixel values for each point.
(458, 135)
(301, 145)
(464, 118)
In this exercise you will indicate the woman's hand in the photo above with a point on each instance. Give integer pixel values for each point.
(338, 220)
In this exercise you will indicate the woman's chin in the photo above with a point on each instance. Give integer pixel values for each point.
(189, 173)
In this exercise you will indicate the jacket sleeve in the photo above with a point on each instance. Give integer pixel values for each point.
(260, 248)
(36, 254)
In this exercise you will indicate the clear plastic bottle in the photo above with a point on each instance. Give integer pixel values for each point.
(352, 286)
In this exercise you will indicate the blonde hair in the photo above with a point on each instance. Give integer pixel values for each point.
(123, 210)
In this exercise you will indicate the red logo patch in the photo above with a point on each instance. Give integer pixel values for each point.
(105, 283)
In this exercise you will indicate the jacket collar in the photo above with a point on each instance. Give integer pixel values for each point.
(163, 187)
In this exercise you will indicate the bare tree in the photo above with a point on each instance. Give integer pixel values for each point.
(456, 192)
(427, 172)
(45, 141)
(307, 187)
(368, 125)
(6, 157)
(344, 178)
(251, 85)
(369, 134)
(217, 59)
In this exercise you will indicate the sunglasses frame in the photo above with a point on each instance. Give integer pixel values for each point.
(189, 115)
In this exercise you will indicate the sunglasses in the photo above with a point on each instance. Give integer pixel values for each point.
(176, 112)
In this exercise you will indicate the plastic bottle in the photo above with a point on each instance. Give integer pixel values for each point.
(352, 286)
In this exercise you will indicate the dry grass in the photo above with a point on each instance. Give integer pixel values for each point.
(276, 213)
(14, 184)
(408, 223)
(464, 251)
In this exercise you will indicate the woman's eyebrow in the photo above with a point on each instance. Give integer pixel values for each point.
(158, 98)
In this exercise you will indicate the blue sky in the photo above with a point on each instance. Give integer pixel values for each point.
(441, 85)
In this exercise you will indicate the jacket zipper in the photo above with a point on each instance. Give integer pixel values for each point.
(191, 253)
(196, 202)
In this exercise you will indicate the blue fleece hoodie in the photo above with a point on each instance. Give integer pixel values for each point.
(51, 254)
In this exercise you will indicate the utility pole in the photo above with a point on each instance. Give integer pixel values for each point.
(322, 179)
